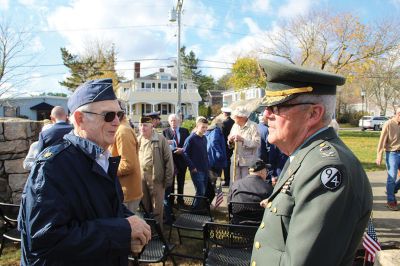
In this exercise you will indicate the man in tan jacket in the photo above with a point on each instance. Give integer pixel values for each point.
(157, 167)
(247, 138)
(126, 146)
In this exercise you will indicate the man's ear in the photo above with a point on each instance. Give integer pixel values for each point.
(78, 117)
(316, 114)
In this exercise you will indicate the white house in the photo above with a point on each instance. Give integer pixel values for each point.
(231, 96)
(158, 92)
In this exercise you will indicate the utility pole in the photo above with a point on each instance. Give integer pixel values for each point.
(175, 15)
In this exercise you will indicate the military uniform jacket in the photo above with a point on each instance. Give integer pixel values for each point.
(71, 209)
(319, 208)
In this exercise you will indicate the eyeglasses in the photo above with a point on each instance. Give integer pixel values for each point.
(276, 108)
(108, 116)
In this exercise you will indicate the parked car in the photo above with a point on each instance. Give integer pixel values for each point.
(372, 122)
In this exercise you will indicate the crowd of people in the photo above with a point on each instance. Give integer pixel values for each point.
(78, 205)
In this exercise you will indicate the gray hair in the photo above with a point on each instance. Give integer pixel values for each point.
(240, 111)
(174, 116)
(81, 109)
(328, 101)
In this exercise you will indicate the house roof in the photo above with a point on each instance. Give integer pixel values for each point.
(42, 106)
(214, 93)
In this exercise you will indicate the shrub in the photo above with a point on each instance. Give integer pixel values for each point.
(189, 124)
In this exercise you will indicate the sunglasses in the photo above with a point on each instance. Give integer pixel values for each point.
(108, 116)
(276, 109)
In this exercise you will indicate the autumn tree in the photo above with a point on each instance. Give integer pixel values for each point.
(339, 43)
(245, 74)
(96, 62)
(381, 82)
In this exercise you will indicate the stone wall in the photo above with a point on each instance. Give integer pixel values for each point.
(16, 135)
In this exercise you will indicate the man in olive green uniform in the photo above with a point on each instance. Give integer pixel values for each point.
(156, 164)
(320, 206)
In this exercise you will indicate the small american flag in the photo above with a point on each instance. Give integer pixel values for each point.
(370, 243)
(220, 197)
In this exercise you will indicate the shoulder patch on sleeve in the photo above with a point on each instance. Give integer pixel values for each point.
(52, 151)
(331, 177)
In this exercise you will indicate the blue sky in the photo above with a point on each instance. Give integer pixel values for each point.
(216, 30)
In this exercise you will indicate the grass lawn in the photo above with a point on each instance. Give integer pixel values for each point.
(363, 144)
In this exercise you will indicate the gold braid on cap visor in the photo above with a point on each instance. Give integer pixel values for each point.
(288, 92)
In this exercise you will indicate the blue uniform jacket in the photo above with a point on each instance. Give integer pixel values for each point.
(216, 151)
(53, 135)
(71, 210)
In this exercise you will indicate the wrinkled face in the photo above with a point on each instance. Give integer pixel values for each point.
(286, 127)
(94, 127)
(173, 122)
(145, 129)
(240, 120)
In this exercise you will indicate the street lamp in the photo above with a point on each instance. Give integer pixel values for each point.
(175, 15)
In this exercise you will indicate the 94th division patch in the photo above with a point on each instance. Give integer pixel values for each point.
(331, 178)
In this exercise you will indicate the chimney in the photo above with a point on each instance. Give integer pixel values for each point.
(161, 70)
(136, 73)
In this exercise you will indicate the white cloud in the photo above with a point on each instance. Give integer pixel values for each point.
(295, 7)
(150, 34)
(199, 16)
(247, 46)
(28, 3)
(257, 6)
(252, 25)
(36, 45)
(4, 4)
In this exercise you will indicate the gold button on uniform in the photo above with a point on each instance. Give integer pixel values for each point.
(262, 225)
(257, 245)
(269, 205)
(253, 263)
(274, 210)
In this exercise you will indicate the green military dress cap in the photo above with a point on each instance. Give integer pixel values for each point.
(286, 81)
(145, 119)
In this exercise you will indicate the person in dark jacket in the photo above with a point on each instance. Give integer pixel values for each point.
(227, 125)
(254, 187)
(71, 208)
(216, 156)
(195, 151)
(54, 134)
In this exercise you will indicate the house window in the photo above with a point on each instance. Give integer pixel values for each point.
(153, 85)
(175, 85)
(169, 85)
(164, 86)
(159, 85)
(164, 109)
(146, 108)
(148, 85)
(142, 85)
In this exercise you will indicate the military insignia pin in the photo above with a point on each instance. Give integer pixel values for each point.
(331, 178)
(47, 154)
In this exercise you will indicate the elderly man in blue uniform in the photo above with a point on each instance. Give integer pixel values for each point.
(322, 201)
(71, 210)
(54, 134)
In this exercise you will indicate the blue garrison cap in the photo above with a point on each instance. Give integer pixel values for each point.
(91, 91)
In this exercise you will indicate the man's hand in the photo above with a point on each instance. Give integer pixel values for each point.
(140, 230)
(194, 170)
(264, 203)
(378, 161)
(179, 150)
(273, 181)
